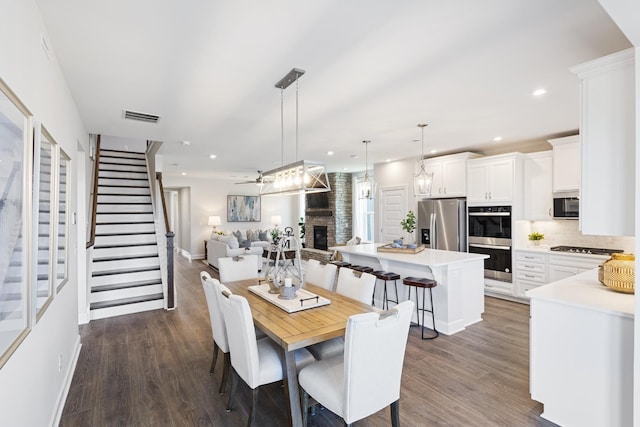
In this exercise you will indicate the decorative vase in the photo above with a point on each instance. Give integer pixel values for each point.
(535, 242)
(619, 273)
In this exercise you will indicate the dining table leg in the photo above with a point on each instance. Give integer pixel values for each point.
(291, 389)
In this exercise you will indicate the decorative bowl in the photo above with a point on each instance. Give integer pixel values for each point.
(619, 273)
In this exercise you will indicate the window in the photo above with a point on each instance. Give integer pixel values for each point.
(363, 221)
(15, 146)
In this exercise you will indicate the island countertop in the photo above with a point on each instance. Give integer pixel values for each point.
(583, 290)
(428, 257)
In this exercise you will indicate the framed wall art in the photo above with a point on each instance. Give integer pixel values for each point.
(243, 208)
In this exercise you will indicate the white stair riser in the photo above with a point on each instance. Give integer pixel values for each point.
(125, 208)
(126, 218)
(11, 287)
(120, 167)
(123, 240)
(124, 228)
(123, 160)
(131, 250)
(122, 182)
(126, 293)
(122, 175)
(123, 190)
(103, 313)
(141, 199)
(125, 278)
(128, 263)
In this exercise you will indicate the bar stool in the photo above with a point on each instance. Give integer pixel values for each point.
(424, 283)
(362, 268)
(387, 276)
(340, 264)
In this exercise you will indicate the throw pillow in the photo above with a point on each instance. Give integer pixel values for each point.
(263, 236)
(245, 244)
(238, 235)
(233, 243)
(353, 241)
(251, 235)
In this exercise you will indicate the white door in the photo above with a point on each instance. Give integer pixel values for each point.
(393, 209)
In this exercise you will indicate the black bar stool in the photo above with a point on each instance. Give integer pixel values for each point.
(424, 283)
(387, 276)
(362, 268)
(340, 264)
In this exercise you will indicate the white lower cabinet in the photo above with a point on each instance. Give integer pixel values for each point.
(534, 268)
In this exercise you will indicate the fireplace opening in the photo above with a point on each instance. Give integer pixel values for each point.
(320, 237)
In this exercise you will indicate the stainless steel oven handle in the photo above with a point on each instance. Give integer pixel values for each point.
(476, 245)
(489, 214)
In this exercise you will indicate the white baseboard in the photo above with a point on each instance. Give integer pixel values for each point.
(66, 385)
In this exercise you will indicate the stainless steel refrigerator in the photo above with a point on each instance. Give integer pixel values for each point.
(442, 224)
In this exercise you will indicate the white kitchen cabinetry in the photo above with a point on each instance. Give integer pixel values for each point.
(566, 164)
(449, 175)
(607, 133)
(538, 197)
(562, 266)
(530, 271)
(494, 179)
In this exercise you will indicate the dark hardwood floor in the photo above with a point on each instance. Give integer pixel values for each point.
(152, 369)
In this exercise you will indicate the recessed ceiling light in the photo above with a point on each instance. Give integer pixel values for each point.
(354, 156)
(184, 173)
(433, 151)
(212, 156)
(388, 160)
(344, 169)
(497, 139)
(539, 92)
(330, 153)
(186, 143)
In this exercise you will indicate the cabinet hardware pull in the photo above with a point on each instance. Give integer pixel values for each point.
(529, 266)
(485, 196)
(530, 276)
(549, 211)
(489, 194)
(529, 257)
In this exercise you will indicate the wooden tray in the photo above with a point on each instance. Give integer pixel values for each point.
(388, 248)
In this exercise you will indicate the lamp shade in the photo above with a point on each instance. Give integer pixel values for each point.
(214, 220)
(276, 220)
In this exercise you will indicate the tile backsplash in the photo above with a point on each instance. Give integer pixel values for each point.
(566, 232)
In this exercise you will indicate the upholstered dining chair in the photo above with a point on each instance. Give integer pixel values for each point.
(218, 328)
(320, 275)
(358, 286)
(237, 268)
(257, 362)
(350, 385)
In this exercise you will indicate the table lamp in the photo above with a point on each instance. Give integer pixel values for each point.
(214, 221)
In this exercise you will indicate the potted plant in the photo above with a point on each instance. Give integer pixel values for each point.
(409, 225)
(535, 238)
(302, 230)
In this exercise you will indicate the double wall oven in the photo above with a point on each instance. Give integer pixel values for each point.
(490, 234)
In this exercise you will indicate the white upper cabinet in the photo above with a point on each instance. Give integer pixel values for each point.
(449, 175)
(494, 179)
(566, 164)
(538, 196)
(607, 133)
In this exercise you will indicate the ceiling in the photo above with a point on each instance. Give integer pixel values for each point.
(374, 69)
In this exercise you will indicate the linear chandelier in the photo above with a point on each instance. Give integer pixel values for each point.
(302, 176)
(422, 180)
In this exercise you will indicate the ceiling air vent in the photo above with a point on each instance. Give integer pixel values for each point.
(141, 117)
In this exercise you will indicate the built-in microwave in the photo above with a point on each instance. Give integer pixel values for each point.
(566, 205)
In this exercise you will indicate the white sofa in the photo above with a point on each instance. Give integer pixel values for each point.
(220, 246)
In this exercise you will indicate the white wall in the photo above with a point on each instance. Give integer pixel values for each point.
(136, 145)
(31, 386)
(209, 197)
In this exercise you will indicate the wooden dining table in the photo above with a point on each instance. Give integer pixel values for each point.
(298, 330)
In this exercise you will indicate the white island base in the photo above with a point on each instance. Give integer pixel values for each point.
(458, 299)
(581, 356)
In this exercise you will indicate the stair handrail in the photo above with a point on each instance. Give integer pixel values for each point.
(170, 235)
(94, 201)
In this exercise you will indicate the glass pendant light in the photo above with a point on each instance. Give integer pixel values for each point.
(366, 185)
(422, 180)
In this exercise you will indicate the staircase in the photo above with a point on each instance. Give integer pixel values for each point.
(125, 274)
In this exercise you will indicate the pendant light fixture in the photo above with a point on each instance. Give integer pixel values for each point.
(366, 185)
(302, 176)
(422, 180)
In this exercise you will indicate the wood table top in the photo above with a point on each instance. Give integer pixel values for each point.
(303, 328)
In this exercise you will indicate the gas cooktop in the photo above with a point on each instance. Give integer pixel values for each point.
(581, 250)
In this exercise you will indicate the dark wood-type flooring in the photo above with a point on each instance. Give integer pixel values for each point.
(152, 369)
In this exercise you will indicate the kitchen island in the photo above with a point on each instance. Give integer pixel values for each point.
(581, 355)
(458, 299)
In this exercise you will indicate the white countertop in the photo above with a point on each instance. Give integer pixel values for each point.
(428, 257)
(547, 250)
(583, 290)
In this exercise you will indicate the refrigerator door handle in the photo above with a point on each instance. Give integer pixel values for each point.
(432, 226)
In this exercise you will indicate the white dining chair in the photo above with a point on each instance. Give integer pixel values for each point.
(320, 275)
(350, 385)
(218, 328)
(257, 362)
(238, 268)
(352, 284)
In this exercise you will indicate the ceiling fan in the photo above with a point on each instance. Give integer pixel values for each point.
(259, 181)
